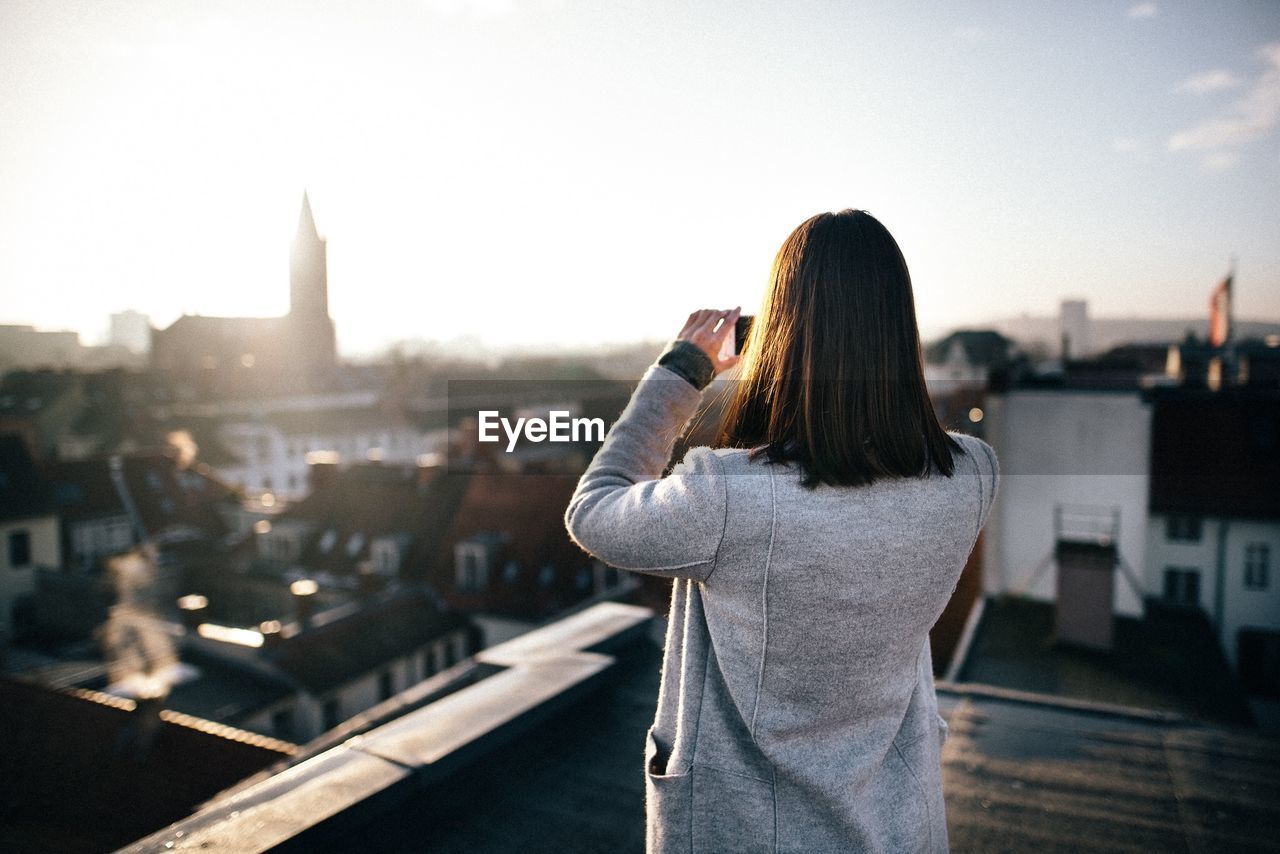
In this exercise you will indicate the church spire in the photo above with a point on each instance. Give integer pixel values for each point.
(306, 222)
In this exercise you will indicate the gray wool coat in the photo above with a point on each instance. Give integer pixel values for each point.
(797, 710)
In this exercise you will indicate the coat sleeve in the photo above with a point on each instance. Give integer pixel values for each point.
(626, 514)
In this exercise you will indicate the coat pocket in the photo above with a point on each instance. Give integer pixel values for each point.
(667, 799)
(732, 812)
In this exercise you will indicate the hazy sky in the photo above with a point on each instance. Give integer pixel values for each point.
(588, 170)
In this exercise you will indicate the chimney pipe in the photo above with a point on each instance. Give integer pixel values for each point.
(304, 603)
(370, 582)
(193, 609)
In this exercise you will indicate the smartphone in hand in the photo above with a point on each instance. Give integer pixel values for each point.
(734, 343)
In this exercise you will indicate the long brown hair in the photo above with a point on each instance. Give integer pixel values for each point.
(831, 374)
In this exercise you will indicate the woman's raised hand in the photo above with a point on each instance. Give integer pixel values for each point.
(705, 330)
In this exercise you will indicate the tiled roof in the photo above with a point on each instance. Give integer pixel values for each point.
(23, 492)
(83, 489)
(378, 500)
(358, 640)
(537, 568)
(1216, 453)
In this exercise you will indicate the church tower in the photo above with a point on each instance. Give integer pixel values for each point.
(312, 330)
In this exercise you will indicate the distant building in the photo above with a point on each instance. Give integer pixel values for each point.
(959, 368)
(73, 414)
(131, 330)
(1214, 533)
(271, 444)
(44, 407)
(28, 347)
(28, 532)
(1045, 331)
(105, 507)
(312, 672)
(1073, 330)
(1074, 461)
(218, 357)
(507, 560)
(1126, 486)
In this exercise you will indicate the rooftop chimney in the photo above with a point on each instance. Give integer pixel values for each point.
(1086, 555)
(304, 602)
(193, 609)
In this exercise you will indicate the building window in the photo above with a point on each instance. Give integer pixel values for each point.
(386, 685)
(1183, 529)
(450, 658)
(1258, 654)
(1182, 586)
(19, 549)
(1257, 566)
(472, 561)
(428, 664)
(331, 713)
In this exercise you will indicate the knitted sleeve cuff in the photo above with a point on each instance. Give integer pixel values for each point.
(686, 359)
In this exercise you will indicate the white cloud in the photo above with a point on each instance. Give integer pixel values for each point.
(1210, 81)
(1126, 145)
(1252, 116)
(1218, 161)
(1144, 10)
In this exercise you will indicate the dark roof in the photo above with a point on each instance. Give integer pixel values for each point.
(356, 640)
(983, 347)
(83, 489)
(376, 500)
(1216, 453)
(201, 325)
(1171, 660)
(222, 691)
(537, 570)
(23, 492)
(169, 497)
(77, 777)
(23, 393)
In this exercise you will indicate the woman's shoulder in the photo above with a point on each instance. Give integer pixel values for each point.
(978, 449)
(703, 458)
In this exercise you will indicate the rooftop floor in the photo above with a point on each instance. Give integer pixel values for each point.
(1020, 772)
(1168, 661)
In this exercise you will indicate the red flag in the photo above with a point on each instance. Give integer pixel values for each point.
(1220, 313)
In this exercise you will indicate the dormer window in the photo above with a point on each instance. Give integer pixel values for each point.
(328, 540)
(472, 565)
(475, 558)
(384, 553)
(355, 544)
